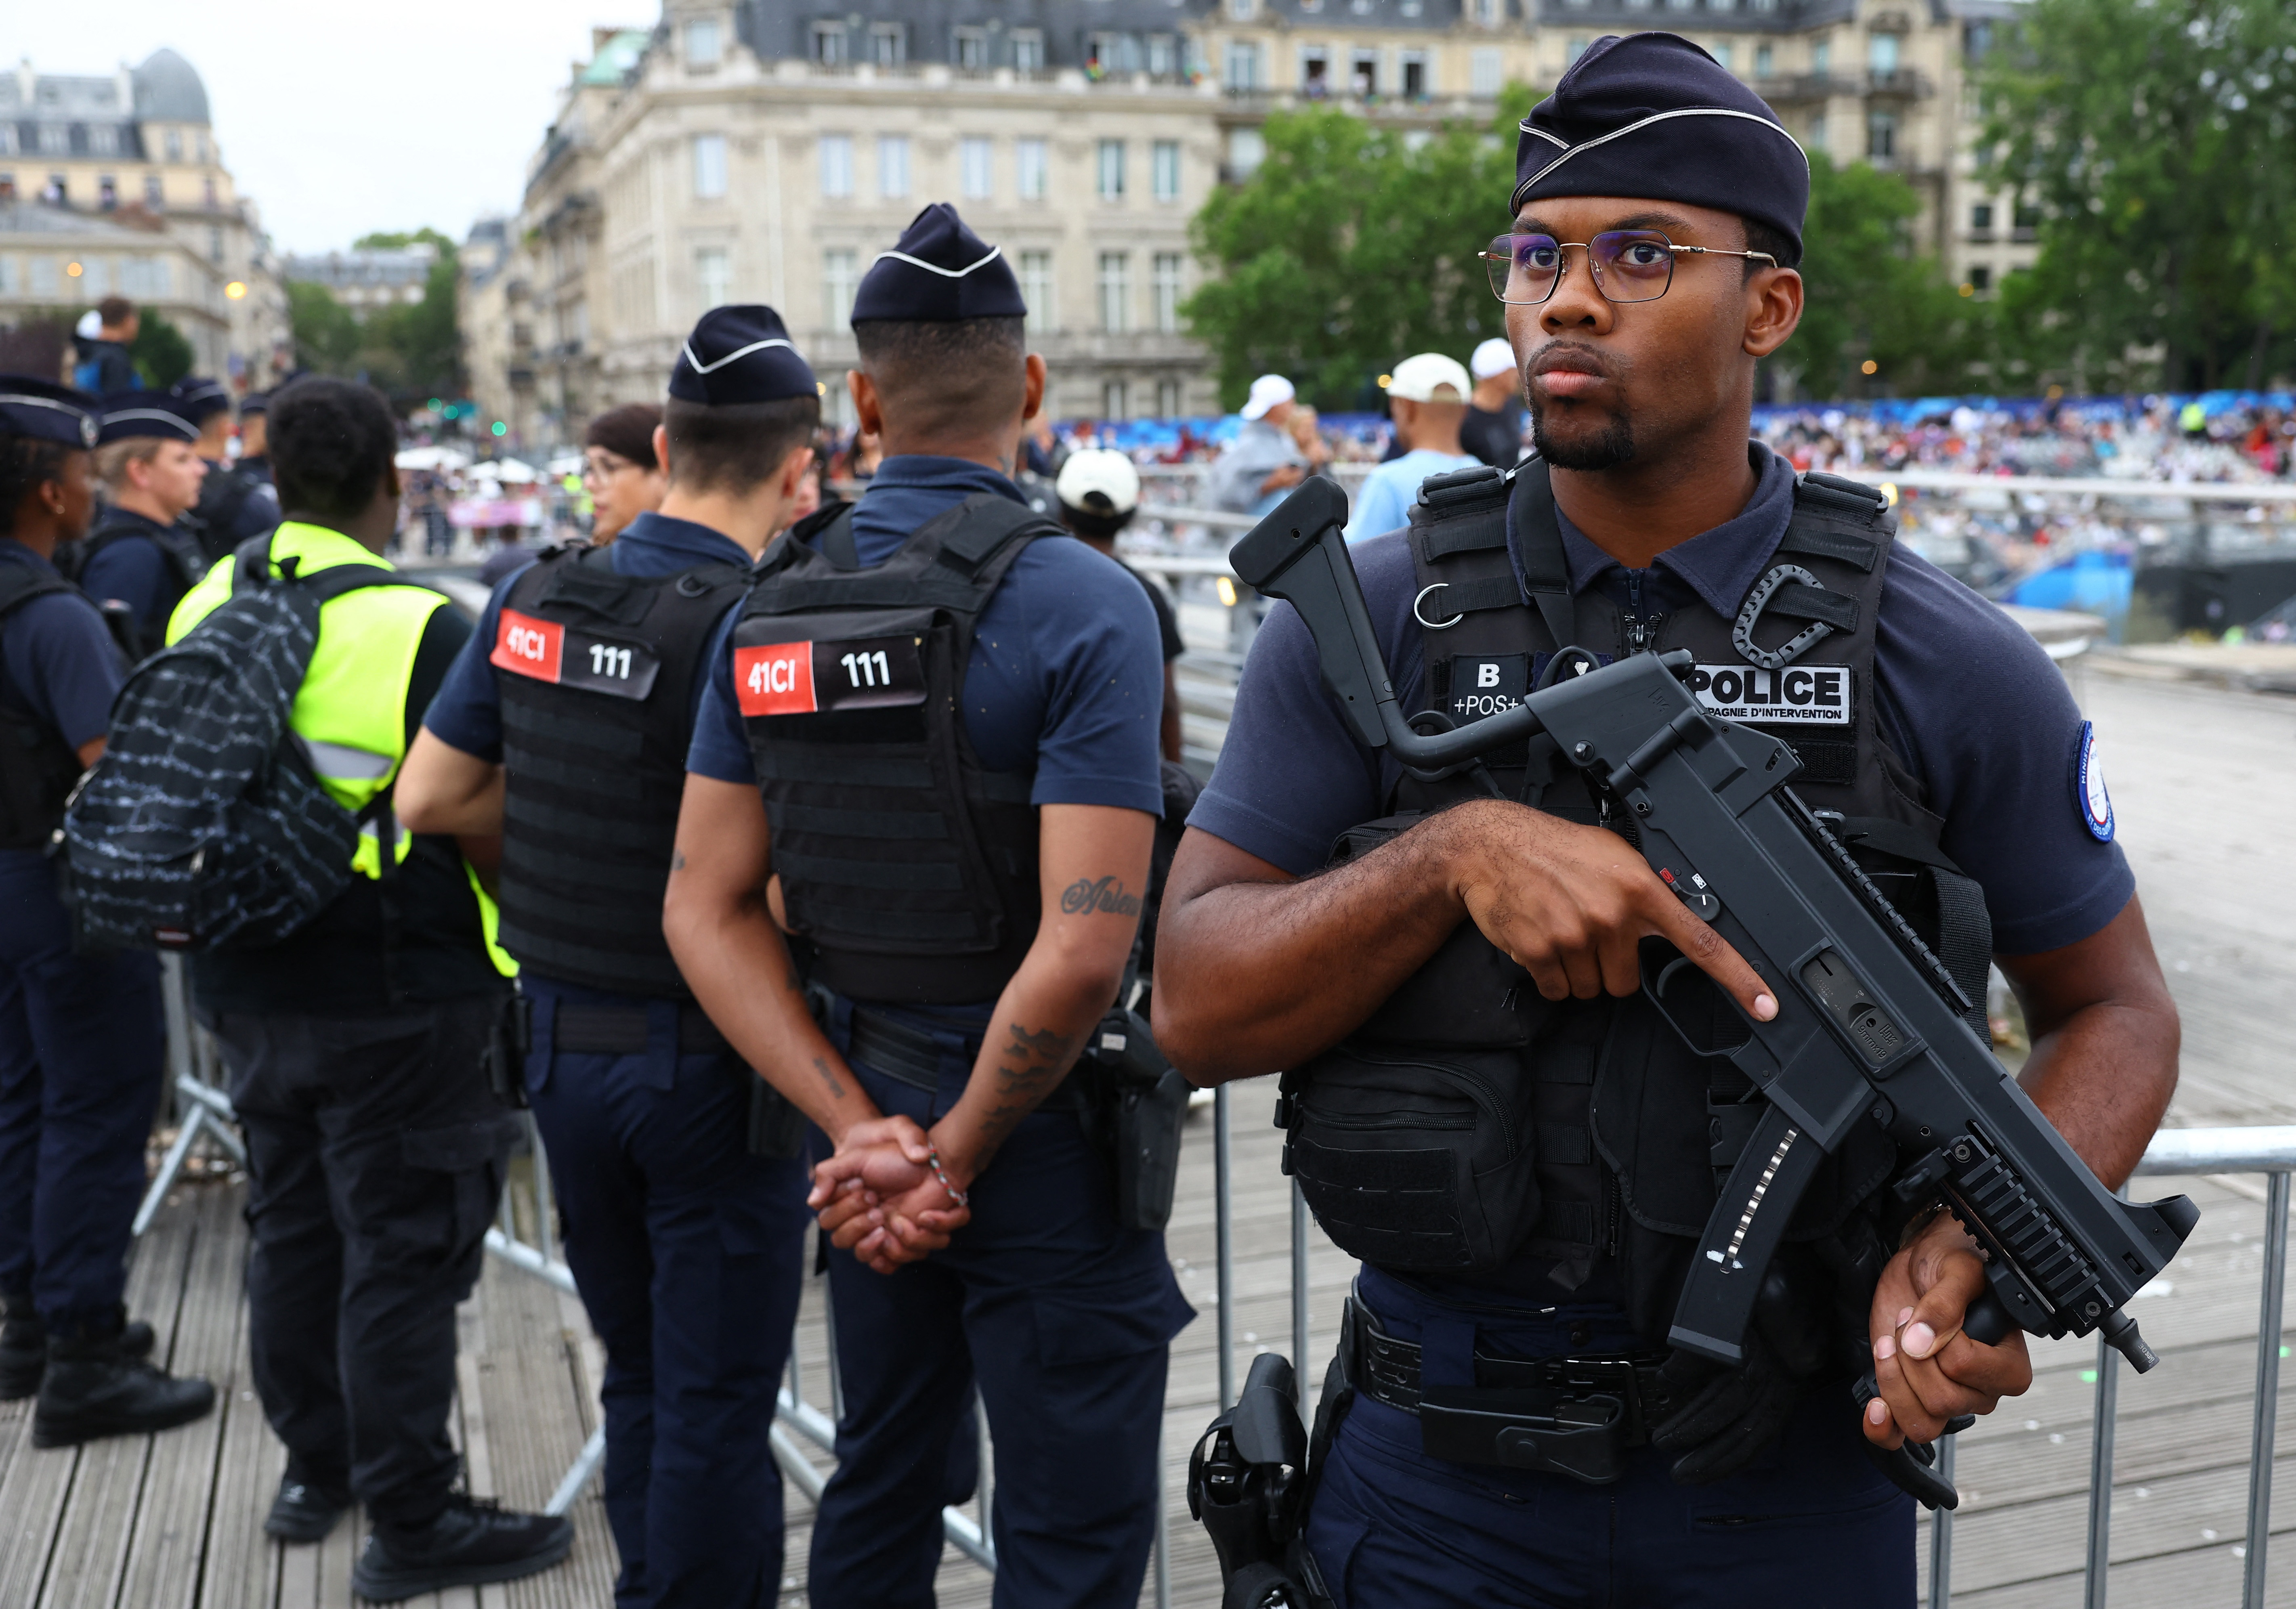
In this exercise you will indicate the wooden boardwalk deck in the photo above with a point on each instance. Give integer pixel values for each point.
(2205, 782)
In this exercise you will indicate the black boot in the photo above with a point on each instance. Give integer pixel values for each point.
(96, 1387)
(24, 1347)
(306, 1510)
(473, 1542)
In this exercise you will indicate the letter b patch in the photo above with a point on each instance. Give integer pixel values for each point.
(1484, 685)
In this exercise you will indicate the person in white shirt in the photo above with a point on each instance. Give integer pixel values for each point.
(1427, 396)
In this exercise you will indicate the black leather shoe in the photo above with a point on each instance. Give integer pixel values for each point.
(472, 1543)
(95, 1386)
(304, 1511)
(24, 1348)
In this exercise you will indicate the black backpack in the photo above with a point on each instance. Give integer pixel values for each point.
(205, 823)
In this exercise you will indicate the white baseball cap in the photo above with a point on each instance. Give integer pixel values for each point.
(90, 325)
(1267, 392)
(1494, 356)
(1419, 379)
(1099, 480)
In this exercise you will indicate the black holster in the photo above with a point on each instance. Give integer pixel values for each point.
(1134, 1105)
(507, 1043)
(1248, 1484)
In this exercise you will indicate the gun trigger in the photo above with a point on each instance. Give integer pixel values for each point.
(1918, 1183)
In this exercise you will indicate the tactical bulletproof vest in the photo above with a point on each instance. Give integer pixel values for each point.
(38, 768)
(596, 707)
(186, 560)
(910, 869)
(1626, 1134)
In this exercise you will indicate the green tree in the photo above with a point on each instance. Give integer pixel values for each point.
(327, 334)
(1351, 248)
(411, 350)
(2152, 136)
(160, 351)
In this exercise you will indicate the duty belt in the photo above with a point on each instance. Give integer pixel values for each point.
(912, 1056)
(622, 1030)
(1574, 1416)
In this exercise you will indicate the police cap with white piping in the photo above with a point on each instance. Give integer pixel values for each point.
(41, 410)
(938, 271)
(739, 354)
(129, 415)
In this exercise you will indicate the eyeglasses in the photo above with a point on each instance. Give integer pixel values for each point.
(1628, 265)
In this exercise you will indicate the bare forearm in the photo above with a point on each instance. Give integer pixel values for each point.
(2104, 1076)
(1043, 1019)
(738, 966)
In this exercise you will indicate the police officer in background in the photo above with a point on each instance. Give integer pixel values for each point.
(254, 442)
(81, 1042)
(236, 500)
(144, 553)
(564, 727)
(375, 1148)
(1658, 214)
(933, 724)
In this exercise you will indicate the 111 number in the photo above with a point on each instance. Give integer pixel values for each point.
(609, 662)
(868, 669)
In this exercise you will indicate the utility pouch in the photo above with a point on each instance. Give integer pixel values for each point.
(1136, 1103)
(507, 1042)
(1414, 1157)
(777, 1126)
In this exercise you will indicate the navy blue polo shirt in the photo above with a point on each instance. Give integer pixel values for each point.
(1964, 697)
(57, 659)
(133, 570)
(1066, 674)
(467, 713)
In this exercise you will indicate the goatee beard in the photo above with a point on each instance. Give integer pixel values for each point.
(1613, 445)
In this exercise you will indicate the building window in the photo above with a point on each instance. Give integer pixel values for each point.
(1163, 59)
(974, 169)
(55, 139)
(207, 194)
(1031, 168)
(154, 197)
(215, 249)
(1721, 6)
(1165, 170)
(1169, 401)
(106, 194)
(1362, 73)
(713, 277)
(1241, 10)
(1765, 60)
(829, 43)
(1980, 278)
(1111, 170)
(8, 285)
(1722, 57)
(1167, 288)
(1028, 50)
(1821, 58)
(1881, 136)
(1980, 218)
(2025, 220)
(1817, 141)
(1037, 288)
(1490, 13)
(200, 146)
(702, 46)
(840, 276)
(1106, 54)
(970, 49)
(175, 145)
(1487, 70)
(1247, 148)
(893, 166)
(1881, 54)
(1680, 6)
(888, 45)
(1414, 75)
(8, 186)
(1242, 65)
(102, 140)
(1116, 291)
(1115, 399)
(1314, 68)
(44, 277)
(836, 165)
(709, 169)
(1574, 50)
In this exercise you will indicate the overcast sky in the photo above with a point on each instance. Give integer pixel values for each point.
(337, 119)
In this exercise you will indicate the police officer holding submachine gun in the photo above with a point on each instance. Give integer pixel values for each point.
(564, 726)
(1483, 1106)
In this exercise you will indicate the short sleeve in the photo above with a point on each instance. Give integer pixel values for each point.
(132, 571)
(1378, 509)
(1997, 736)
(720, 749)
(1094, 640)
(63, 664)
(467, 713)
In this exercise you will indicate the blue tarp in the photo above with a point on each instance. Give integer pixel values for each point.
(2095, 583)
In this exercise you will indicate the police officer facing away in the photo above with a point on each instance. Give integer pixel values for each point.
(933, 725)
(375, 1148)
(143, 552)
(1658, 213)
(564, 726)
(81, 1035)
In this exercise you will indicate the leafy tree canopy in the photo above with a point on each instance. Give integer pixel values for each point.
(160, 352)
(411, 350)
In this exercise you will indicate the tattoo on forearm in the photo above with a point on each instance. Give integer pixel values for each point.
(821, 1065)
(1084, 897)
(677, 862)
(1027, 1068)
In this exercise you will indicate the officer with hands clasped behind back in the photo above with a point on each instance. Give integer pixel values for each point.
(564, 727)
(81, 1038)
(1454, 938)
(143, 552)
(934, 725)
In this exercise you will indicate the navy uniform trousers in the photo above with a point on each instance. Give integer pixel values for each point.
(1063, 1320)
(1810, 1524)
(82, 1045)
(689, 1254)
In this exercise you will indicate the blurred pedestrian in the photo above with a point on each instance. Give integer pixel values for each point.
(1099, 492)
(1305, 428)
(105, 367)
(1263, 463)
(620, 470)
(1428, 399)
(1493, 429)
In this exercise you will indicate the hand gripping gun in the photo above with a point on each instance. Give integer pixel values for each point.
(1869, 1026)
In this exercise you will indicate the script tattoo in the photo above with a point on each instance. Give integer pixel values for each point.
(676, 863)
(1027, 1068)
(1106, 897)
(821, 1066)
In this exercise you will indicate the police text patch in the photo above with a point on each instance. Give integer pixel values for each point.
(1813, 695)
(799, 679)
(566, 656)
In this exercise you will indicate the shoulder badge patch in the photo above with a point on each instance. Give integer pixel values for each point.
(2089, 794)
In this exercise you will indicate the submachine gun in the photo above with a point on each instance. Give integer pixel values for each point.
(1869, 1026)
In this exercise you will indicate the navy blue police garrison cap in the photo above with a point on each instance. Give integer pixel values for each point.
(41, 410)
(255, 402)
(200, 399)
(127, 414)
(1653, 115)
(739, 354)
(937, 272)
